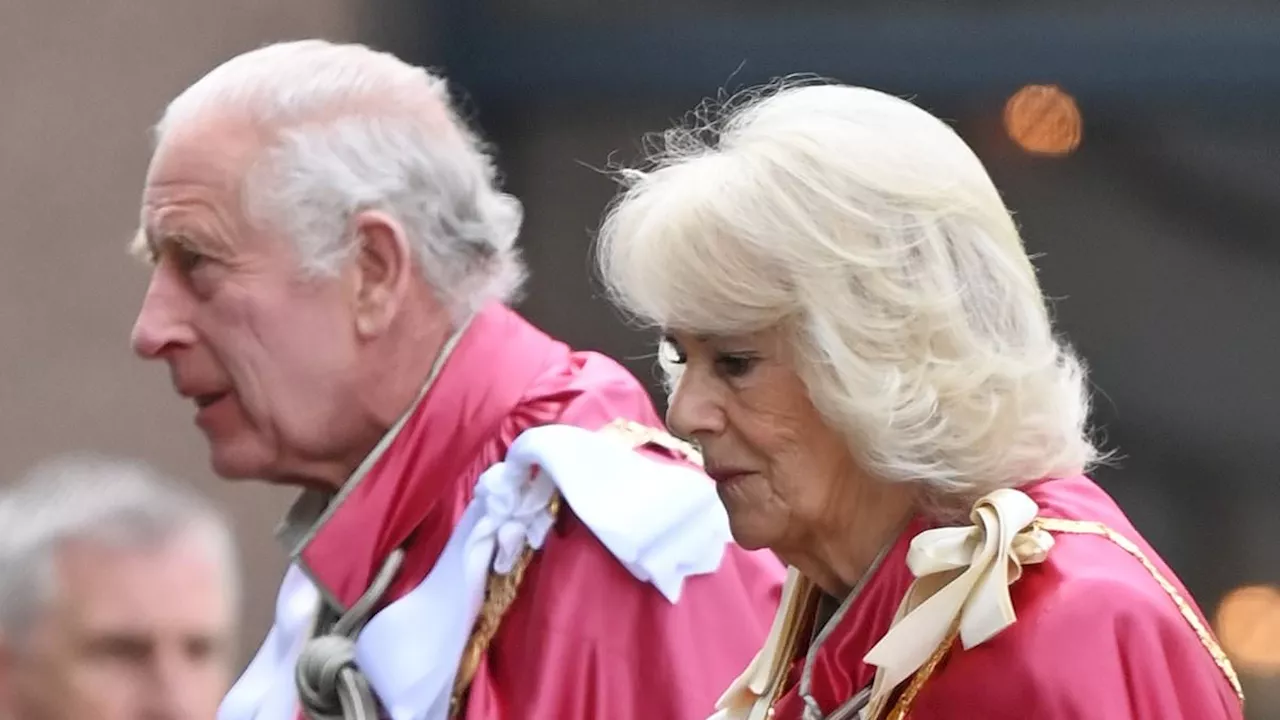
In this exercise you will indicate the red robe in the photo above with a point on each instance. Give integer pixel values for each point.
(1096, 637)
(584, 639)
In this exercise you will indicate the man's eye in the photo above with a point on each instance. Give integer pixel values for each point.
(189, 260)
(120, 648)
(202, 647)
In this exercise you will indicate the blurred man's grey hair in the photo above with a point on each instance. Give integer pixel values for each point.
(88, 498)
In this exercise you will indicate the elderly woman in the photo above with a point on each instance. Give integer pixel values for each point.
(855, 338)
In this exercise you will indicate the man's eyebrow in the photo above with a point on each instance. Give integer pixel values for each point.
(148, 242)
(141, 246)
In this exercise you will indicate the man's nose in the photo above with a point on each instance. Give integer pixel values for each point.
(163, 321)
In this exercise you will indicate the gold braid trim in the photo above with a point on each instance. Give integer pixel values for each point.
(1083, 527)
(500, 590)
(800, 616)
(637, 435)
(908, 697)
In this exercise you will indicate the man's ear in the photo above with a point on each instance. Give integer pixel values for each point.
(384, 268)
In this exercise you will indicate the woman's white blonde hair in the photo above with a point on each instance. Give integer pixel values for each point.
(870, 232)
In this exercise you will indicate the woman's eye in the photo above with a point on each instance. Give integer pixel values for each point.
(672, 352)
(735, 365)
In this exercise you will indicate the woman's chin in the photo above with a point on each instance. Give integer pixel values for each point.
(748, 534)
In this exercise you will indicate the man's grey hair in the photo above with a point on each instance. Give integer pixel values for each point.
(350, 129)
(90, 498)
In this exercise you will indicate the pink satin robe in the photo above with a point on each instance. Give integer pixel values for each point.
(584, 639)
(1096, 636)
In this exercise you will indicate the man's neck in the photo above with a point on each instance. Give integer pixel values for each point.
(398, 374)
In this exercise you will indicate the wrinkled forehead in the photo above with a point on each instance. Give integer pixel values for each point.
(193, 190)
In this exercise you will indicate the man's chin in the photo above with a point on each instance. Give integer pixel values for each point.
(238, 463)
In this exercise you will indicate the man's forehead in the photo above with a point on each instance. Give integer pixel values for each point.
(194, 184)
(106, 584)
(178, 171)
(198, 210)
(209, 151)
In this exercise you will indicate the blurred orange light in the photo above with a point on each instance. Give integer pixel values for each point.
(1043, 120)
(1248, 623)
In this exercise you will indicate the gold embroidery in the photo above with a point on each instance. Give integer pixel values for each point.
(638, 435)
(1082, 527)
(500, 590)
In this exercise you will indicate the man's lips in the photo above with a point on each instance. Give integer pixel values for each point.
(204, 400)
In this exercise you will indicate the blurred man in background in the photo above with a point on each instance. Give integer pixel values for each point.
(334, 266)
(118, 596)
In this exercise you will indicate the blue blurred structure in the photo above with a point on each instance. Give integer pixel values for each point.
(1110, 62)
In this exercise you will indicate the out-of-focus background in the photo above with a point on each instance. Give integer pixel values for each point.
(1159, 234)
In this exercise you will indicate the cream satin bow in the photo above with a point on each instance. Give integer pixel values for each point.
(962, 576)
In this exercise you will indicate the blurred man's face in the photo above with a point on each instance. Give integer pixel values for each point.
(130, 635)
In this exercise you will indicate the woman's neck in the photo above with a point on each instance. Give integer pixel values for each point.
(842, 546)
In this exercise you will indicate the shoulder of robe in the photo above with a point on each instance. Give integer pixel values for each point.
(638, 435)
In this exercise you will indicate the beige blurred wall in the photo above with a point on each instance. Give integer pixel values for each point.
(80, 83)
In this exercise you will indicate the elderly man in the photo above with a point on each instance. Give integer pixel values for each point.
(118, 596)
(491, 526)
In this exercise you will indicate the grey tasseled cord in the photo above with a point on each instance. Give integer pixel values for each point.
(330, 686)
